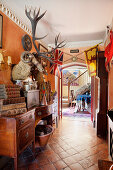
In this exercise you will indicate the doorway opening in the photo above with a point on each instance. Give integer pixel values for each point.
(76, 91)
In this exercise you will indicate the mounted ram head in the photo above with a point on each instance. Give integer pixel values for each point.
(23, 69)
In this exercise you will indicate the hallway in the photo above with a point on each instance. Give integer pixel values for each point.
(76, 146)
(73, 146)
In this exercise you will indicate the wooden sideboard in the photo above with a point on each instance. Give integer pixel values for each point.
(16, 134)
(43, 113)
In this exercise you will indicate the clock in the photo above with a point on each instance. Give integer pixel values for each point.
(26, 42)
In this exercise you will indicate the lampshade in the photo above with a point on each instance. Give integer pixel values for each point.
(1, 58)
(9, 61)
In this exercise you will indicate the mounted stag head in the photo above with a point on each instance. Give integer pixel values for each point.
(34, 20)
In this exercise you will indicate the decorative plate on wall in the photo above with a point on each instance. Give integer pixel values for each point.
(26, 42)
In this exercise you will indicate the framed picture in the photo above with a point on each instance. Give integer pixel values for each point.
(1, 28)
(70, 75)
(43, 49)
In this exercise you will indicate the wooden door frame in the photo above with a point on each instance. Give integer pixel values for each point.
(60, 77)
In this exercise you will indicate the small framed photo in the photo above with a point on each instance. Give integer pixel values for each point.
(43, 49)
(1, 29)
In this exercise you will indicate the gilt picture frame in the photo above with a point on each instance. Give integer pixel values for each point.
(43, 49)
(1, 29)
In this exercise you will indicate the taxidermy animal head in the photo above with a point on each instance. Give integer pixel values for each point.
(23, 69)
(34, 18)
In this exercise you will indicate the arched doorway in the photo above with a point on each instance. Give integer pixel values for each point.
(66, 66)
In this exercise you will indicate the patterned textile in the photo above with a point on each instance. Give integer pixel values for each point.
(91, 60)
(58, 58)
(71, 112)
(109, 52)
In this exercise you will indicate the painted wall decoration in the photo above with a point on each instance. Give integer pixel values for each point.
(70, 75)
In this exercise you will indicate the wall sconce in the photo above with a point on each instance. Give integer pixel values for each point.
(5, 62)
(1, 59)
(9, 61)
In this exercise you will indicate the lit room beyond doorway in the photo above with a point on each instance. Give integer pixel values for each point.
(76, 93)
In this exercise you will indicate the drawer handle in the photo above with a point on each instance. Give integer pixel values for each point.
(39, 113)
(22, 121)
(27, 135)
(30, 117)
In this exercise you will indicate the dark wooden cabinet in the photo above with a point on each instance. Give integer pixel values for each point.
(102, 115)
(43, 113)
(16, 134)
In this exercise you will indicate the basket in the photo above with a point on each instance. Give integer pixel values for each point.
(105, 165)
(41, 136)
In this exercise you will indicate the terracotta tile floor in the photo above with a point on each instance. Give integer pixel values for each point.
(73, 146)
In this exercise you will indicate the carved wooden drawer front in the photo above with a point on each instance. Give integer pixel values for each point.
(29, 117)
(16, 134)
(25, 135)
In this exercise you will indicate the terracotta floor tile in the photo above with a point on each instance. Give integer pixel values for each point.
(60, 165)
(49, 152)
(93, 150)
(86, 163)
(54, 145)
(65, 147)
(80, 148)
(63, 154)
(43, 161)
(76, 166)
(67, 168)
(58, 149)
(48, 167)
(94, 167)
(69, 160)
(85, 153)
(77, 157)
(63, 144)
(71, 151)
(53, 158)
(33, 166)
(102, 155)
(94, 158)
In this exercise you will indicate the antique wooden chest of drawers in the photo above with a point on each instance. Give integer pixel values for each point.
(43, 113)
(16, 134)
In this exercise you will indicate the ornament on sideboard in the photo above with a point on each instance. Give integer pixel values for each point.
(44, 102)
(53, 94)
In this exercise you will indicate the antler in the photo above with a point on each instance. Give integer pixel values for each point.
(34, 20)
(60, 45)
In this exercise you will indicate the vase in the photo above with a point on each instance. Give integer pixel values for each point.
(44, 102)
(43, 140)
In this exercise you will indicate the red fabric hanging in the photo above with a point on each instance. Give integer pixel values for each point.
(109, 51)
